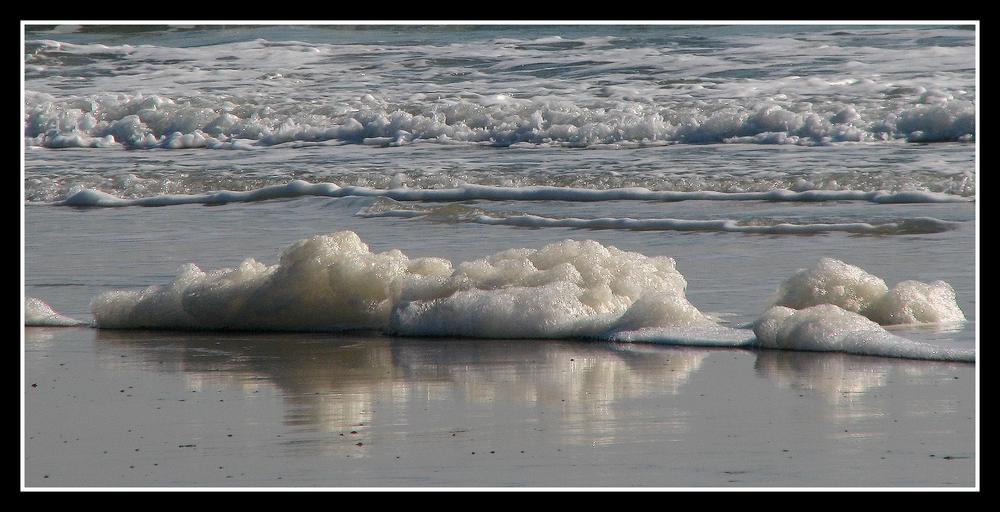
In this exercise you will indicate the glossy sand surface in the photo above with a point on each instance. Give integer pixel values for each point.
(157, 409)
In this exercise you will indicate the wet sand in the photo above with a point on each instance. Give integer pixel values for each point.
(143, 409)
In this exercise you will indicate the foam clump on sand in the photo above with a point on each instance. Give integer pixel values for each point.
(327, 282)
(839, 307)
(913, 302)
(830, 282)
(39, 314)
(819, 327)
(834, 282)
(333, 282)
(565, 289)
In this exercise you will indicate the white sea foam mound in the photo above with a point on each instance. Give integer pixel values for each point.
(820, 327)
(565, 289)
(39, 314)
(829, 328)
(568, 289)
(839, 307)
(333, 282)
(834, 282)
(830, 282)
(914, 302)
(327, 282)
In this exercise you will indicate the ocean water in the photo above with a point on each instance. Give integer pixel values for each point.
(803, 188)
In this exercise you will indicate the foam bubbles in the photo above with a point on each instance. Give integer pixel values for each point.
(40, 314)
(334, 282)
(565, 289)
(820, 327)
(829, 328)
(324, 283)
(850, 288)
(839, 307)
(568, 289)
(911, 302)
(831, 281)
(552, 310)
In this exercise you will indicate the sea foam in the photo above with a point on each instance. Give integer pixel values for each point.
(469, 192)
(850, 288)
(333, 282)
(40, 314)
(835, 306)
(568, 289)
(324, 283)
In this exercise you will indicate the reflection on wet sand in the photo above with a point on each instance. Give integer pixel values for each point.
(340, 383)
(361, 409)
(337, 383)
(840, 377)
(852, 385)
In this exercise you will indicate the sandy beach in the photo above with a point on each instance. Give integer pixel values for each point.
(140, 409)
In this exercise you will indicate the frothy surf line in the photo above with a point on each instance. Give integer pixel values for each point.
(916, 225)
(468, 192)
(863, 342)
